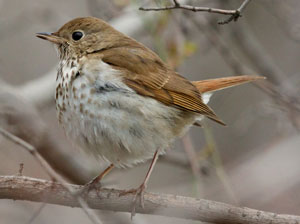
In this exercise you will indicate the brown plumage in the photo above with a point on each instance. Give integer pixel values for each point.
(211, 85)
(118, 100)
(144, 72)
(142, 69)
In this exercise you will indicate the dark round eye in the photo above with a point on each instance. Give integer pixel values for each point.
(77, 35)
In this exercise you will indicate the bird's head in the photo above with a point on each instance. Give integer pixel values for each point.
(84, 36)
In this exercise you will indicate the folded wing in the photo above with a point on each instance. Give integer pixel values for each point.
(145, 73)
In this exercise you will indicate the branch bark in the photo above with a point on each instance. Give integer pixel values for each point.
(234, 14)
(52, 173)
(37, 190)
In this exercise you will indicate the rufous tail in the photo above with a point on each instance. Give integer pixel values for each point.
(211, 85)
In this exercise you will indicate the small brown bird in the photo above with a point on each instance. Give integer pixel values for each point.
(118, 100)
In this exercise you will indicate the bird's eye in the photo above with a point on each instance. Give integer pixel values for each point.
(77, 35)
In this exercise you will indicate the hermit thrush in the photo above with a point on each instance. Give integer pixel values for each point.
(118, 100)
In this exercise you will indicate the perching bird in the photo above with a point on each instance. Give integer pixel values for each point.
(118, 100)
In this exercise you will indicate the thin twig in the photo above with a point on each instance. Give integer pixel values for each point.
(218, 164)
(193, 159)
(36, 213)
(31, 189)
(20, 171)
(55, 177)
(234, 14)
(190, 8)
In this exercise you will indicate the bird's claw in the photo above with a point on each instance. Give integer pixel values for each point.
(87, 188)
(138, 192)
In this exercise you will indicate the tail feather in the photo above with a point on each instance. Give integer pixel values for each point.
(211, 85)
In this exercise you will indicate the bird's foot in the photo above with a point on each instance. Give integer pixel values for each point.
(88, 187)
(94, 184)
(138, 193)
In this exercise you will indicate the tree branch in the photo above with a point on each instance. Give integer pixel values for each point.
(20, 117)
(31, 189)
(234, 17)
(51, 172)
(234, 14)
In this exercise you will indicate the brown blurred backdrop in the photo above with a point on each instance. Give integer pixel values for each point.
(253, 162)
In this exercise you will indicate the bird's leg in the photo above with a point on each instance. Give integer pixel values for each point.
(96, 180)
(141, 189)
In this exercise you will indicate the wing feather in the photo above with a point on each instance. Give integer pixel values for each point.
(145, 73)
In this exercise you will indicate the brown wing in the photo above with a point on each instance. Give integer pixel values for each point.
(149, 76)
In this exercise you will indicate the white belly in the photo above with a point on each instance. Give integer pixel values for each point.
(108, 119)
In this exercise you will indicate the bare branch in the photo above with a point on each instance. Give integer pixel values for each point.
(44, 86)
(31, 189)
(55, 176)
(234, 14)
(36, 213)
(32, 129)
(234, 17)
(190, 8)
(192, 156)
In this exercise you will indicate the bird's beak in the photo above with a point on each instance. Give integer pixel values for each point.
(52, 37)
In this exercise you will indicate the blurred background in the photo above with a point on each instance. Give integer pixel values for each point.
(253, 162)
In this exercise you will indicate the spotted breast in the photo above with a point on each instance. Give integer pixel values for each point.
(107, 118)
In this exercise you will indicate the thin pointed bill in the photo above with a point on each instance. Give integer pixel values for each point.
(51, 37)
